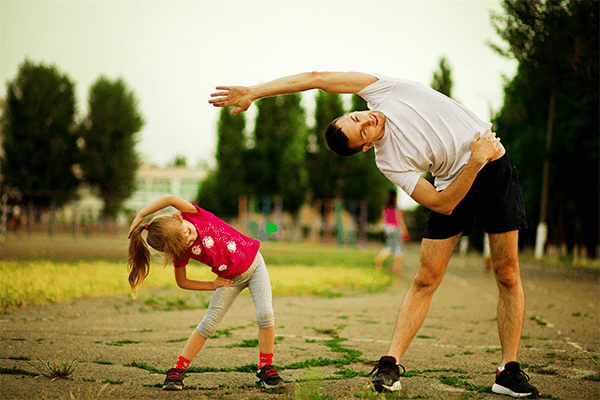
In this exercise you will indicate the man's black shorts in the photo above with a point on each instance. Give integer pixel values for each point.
(494, 200)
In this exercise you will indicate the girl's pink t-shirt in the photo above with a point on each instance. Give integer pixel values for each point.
(389, 216)
(228, 252)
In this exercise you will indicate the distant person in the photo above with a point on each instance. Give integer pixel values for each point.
(15, 222)
(395, 233)
(199, 235)
(415, 129)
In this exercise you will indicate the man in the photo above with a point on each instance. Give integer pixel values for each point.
(415, 129)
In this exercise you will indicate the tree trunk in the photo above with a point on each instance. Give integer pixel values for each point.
(542, 230)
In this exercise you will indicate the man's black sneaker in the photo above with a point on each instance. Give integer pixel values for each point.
(174, 380)
(387, 377)
(268, 378)
(514, 382)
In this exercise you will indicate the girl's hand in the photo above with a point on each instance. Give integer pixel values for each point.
(220, 281)
(136, 221)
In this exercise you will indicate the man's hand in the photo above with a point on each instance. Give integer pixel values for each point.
(232, 96)
(486, 148)
(220, 281)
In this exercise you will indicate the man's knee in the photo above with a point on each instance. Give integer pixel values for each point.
(428, 279)
(507, 271)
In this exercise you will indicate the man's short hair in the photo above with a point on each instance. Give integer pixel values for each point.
(338, 142)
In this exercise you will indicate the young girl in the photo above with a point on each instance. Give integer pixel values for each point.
(393, 226)
(199, 235)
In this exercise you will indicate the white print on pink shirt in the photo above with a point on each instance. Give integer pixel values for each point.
(222, 267)
(196, 250)
(231, 246)
(208, 242)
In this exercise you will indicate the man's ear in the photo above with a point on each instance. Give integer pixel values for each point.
(367, 146)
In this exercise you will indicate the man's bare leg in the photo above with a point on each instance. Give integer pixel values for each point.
(511, 299)
(435, 255)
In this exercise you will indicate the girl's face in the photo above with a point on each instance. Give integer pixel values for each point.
(187, 229)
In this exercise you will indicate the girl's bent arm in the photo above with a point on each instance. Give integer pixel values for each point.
(193, 284)
(159, 204)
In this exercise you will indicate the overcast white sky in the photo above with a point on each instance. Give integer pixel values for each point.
(173, 53)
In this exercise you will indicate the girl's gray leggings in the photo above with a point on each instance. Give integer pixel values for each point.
(256, 279)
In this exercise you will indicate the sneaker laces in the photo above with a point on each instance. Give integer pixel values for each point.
(269, 370)
(174, 373)
(387, 366)
(517, 375)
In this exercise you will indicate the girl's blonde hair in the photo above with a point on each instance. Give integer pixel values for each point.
(163, 236)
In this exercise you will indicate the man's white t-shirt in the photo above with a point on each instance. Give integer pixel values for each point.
(424, 131)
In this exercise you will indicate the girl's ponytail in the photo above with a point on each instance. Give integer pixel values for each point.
(138, 263)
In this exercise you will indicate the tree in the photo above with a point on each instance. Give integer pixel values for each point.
(442, 80)
(39, 140)
(293, 172)
(276, 165)
(110, 161)
(221, 190)
(556, 45)
(179, 161)
(325, 168)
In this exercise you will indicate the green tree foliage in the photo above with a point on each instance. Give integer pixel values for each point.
(549, 118)
(179, 161)
(220, 191)
(362, 179)
(293, 173)
(110, 161)
(38, 135)
(276, 165)
(326, 169)
(442, 79)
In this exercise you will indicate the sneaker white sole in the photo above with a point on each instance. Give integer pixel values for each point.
(502, 390)
(379, 388)
(172, 386)
(265, 385)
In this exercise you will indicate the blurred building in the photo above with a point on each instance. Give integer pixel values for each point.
(151, 183)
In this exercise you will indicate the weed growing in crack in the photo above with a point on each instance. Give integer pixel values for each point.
(53, 370)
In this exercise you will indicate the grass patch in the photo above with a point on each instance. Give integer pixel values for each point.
(122, 342)
(245, 343)
(177, 340)
(461, 382)
(102, 362)
(294, 268)
(111, 382)
(143, 365)
(17, 371)
(55, 370)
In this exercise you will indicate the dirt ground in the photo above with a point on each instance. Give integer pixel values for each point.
(115, 343)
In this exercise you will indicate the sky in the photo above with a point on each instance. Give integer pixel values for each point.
(172, 54)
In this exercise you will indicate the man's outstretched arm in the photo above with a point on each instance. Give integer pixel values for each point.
(242, 97)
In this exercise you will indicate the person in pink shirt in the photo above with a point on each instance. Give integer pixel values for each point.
(395, 233)
(199, 235)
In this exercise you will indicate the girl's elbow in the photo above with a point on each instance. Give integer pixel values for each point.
(182, 284)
